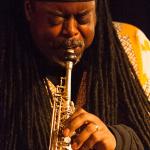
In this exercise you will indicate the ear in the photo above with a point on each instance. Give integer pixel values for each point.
(95, 17)
(28, 10)
(95, 20)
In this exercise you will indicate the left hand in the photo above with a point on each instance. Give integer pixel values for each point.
(95, 133)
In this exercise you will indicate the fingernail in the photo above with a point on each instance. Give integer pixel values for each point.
(74, 145)
(66, 132)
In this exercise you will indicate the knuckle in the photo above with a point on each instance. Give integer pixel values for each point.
(94, 138)
(84, 147)
(82, 111)
(87, 146)
(79, 141)
(89, 128)
(83, 116)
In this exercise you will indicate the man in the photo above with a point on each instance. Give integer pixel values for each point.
(110, 101)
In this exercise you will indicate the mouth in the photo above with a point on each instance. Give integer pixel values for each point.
(71, 54)
(61, 56)
(63, 45)
(59, 51)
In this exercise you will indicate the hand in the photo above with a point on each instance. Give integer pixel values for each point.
(95, 133)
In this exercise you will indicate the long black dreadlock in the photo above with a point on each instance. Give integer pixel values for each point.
(113, 89)
(24, 102)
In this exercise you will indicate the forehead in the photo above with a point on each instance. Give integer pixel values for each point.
(65, 7)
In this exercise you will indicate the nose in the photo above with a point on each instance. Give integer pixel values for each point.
(70, 27)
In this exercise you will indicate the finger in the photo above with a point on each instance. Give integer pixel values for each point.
(80, 120)
(68, 121)
(100, 139)
(85, 134)
(89, 118)
(76, 113)
(92, 140)
(74, 124)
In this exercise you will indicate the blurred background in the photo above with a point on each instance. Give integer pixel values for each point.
(136, 12)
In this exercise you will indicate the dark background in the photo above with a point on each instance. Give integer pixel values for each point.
(136, 12)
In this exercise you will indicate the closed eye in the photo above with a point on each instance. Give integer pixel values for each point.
(84, 17)
(55, 20)
(54, 17)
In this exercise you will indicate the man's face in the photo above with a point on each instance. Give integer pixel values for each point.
(57, 26)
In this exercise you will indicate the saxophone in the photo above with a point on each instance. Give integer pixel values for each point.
(63, 107)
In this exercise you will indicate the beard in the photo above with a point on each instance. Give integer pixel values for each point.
(57, 52)
(66, 50)
(67, 44)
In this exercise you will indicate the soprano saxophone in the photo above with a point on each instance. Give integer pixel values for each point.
(63, 108)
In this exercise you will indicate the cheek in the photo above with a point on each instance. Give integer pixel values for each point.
(49, 34)
(44, 36)
(88, 33)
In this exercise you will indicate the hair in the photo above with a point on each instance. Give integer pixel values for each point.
(112, 86)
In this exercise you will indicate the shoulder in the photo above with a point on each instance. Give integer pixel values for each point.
(135, 35)
(126, 28)
(137, 47)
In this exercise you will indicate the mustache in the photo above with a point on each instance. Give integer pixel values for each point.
(67, 43)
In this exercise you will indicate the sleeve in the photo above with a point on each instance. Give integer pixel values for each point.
(126, 138)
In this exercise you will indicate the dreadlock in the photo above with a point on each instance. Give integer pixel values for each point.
(24, 101)
(113, 87)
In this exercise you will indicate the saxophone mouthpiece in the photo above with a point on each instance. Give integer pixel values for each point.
(70, 55)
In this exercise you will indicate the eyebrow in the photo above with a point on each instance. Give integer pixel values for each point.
(59, 13)
(84, 12)
(55, 13)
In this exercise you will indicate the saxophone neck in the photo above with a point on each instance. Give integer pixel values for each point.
(70, 59)
(69, 66)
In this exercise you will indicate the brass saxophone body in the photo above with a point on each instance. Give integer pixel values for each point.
(63, 108)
